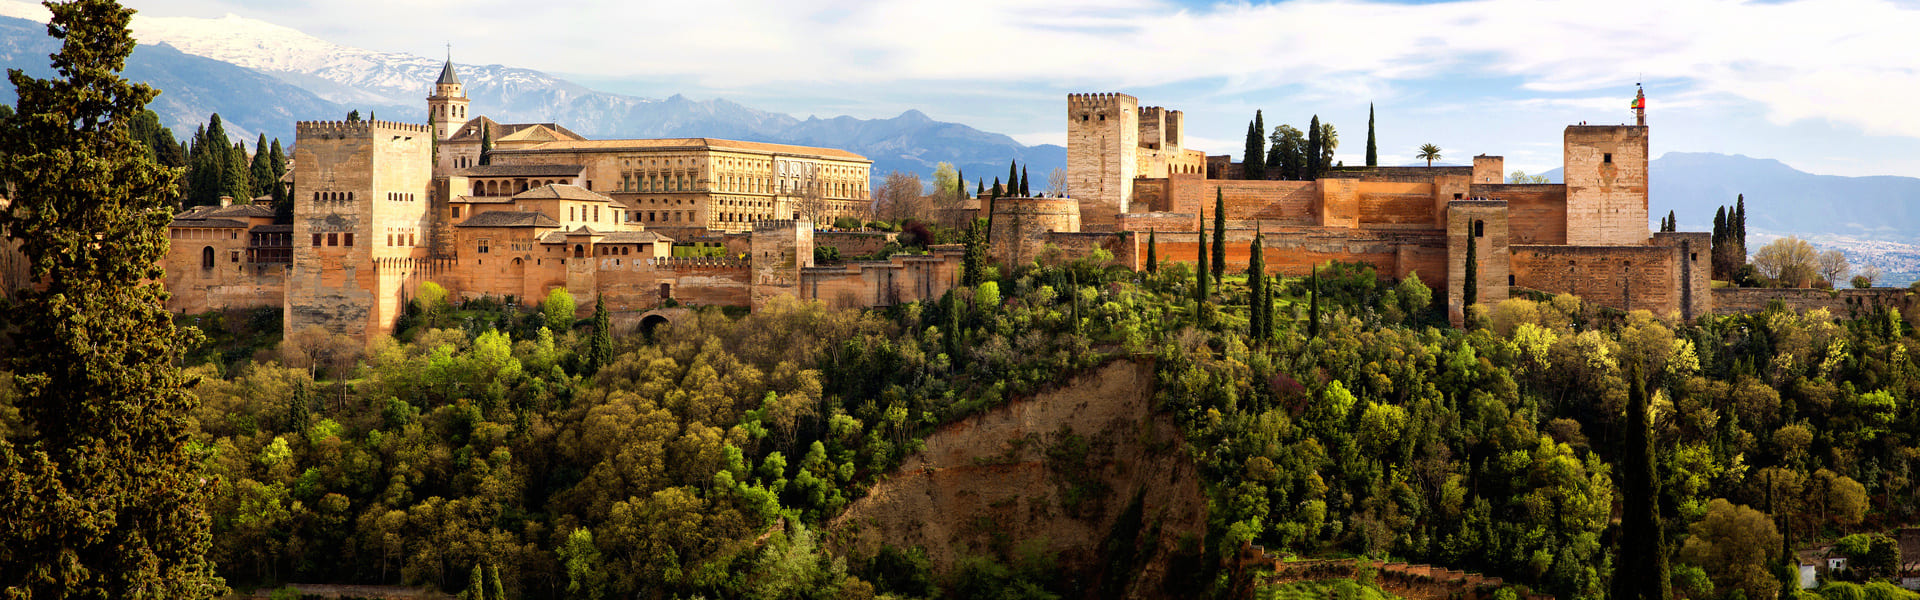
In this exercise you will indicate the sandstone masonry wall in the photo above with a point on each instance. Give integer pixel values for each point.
(1620, 277)
(1606, 179)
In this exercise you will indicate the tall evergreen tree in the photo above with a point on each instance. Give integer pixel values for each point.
(1718, 255)
(1373, 151)
(1025, 192)
(1740, 232)
(600, 352)
(278, 158)
(1153, 253)
(998, 190)
(1313, 303)
(960, 185)
(261, 170)
(1219, 234)
(1314, 168)
(973, 265)
(237, 180)
(1013, 179)
(486, 143)
(300, 408)
(476, 586)
(1470, 284)
(100, 494)
(1643, 551)
(1257, 318)
(1254, 160)
(495, 591)
(981, 192)
(1200, 270)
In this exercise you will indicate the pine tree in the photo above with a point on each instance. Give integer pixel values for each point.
(1024, 191)
(100, 494)
(261, 170)
(1153, 254)
(1314, 168)
(1373, 152)
(1200, 272)
(1643, 550)
(1470, 284)
(1219, 234)
(1256, 290)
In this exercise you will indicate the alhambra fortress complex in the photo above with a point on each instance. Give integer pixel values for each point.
(382, 207)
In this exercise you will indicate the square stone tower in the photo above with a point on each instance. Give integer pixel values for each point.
(781, 248)
(1103, 143)
(1606, 178)
(361, 223)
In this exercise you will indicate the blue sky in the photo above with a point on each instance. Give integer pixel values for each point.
(1824, 86)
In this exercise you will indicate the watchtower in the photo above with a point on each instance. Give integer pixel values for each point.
(1103, 143)
(781, 248)
(361, 205)
(1606, 179)
(447, 107)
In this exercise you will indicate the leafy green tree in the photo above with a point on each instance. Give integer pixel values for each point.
(1429, 152)
(581, 559)
(559, 310)
(1288, 155)
(103, 498)
(1219, 234)
(1736, 546)
(1373, 152)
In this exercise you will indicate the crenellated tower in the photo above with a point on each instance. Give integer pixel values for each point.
(1103, 145)
(362, 206)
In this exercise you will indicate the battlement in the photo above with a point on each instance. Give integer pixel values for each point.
(777, 224)
(1150, 112)
(677, 263)
(1099, 102)
(354, 128)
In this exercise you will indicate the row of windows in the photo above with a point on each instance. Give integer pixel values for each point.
(510, 187)
(333, 196)
(393, 239)
(203, 234)
(333, 239)
(400, 197)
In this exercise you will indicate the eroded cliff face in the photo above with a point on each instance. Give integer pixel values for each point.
(1088, 471)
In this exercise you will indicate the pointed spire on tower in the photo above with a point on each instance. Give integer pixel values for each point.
(446, 72)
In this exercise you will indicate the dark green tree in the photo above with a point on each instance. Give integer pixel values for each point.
(495, 591)
(1153, 254)
(973, 265)
(1219, 234)
(1257, 313)
(1013, 179)
(299, 408)
(261, 170)
(960, 185)
(237, 180)
(486, 143)
(1254, 160)
(998, 190)
(1739, 220)
(1470, 283)
(100, 496)
(1024, 191)
(601, 351)
(476, 585)
(1314, 166)
(1373, 151)
(1722, 245)
(981, 190)
(1200, 272)
(1643, 551)
(353, 116)
(1313, 303)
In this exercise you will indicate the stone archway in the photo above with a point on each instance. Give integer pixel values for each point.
(648, 322)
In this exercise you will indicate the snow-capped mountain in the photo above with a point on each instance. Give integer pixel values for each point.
(395, 85)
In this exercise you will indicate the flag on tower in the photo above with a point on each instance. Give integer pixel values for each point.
(1639, 101)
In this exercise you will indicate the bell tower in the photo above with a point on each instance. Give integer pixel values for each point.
(447, 107)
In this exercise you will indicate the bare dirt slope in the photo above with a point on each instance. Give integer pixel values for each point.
(1087, 470)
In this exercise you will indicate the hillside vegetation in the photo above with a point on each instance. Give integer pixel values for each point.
(709, 459)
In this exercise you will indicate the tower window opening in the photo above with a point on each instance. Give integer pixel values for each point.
(1606, 158)
(1479, 229)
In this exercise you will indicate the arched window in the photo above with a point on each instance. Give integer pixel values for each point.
(579, 251)
(206, 257)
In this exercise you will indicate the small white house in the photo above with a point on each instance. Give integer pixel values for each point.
(1809, 579)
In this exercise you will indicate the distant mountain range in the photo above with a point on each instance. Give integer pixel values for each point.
(262, 78)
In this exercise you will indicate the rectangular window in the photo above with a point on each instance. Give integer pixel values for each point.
(456, 212)
(410, 241)
(1606, 158)
(333, 239)
(316, 240)
(483, 246)
(349, 237)
(596, 214)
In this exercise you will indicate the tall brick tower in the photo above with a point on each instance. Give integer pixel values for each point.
(446, 112)
(361, 222)
(1103, 143)
(1606, 178)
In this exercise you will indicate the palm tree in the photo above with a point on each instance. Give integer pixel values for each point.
(1429, 152)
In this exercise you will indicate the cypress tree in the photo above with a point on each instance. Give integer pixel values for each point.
(998, 190)
(1470, 287)
(1013, 178)
(973, 264)
(238, 179)
(279, 160)
(100, 495)
(1314, 168)
(982, 191)
(1718, 255)
(299, 408)
(261, 169)
(1024, 191)
(1200, 272)
(1253, 162)
(1153, 254)
(601, 352)
(486, 143)
(495, 591)
(960, 184)
(1642, 549)
(1313, 303)
(1219, 234)
(1739, 233)
(476, 587)
(1256, 290)
(1373, 152)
